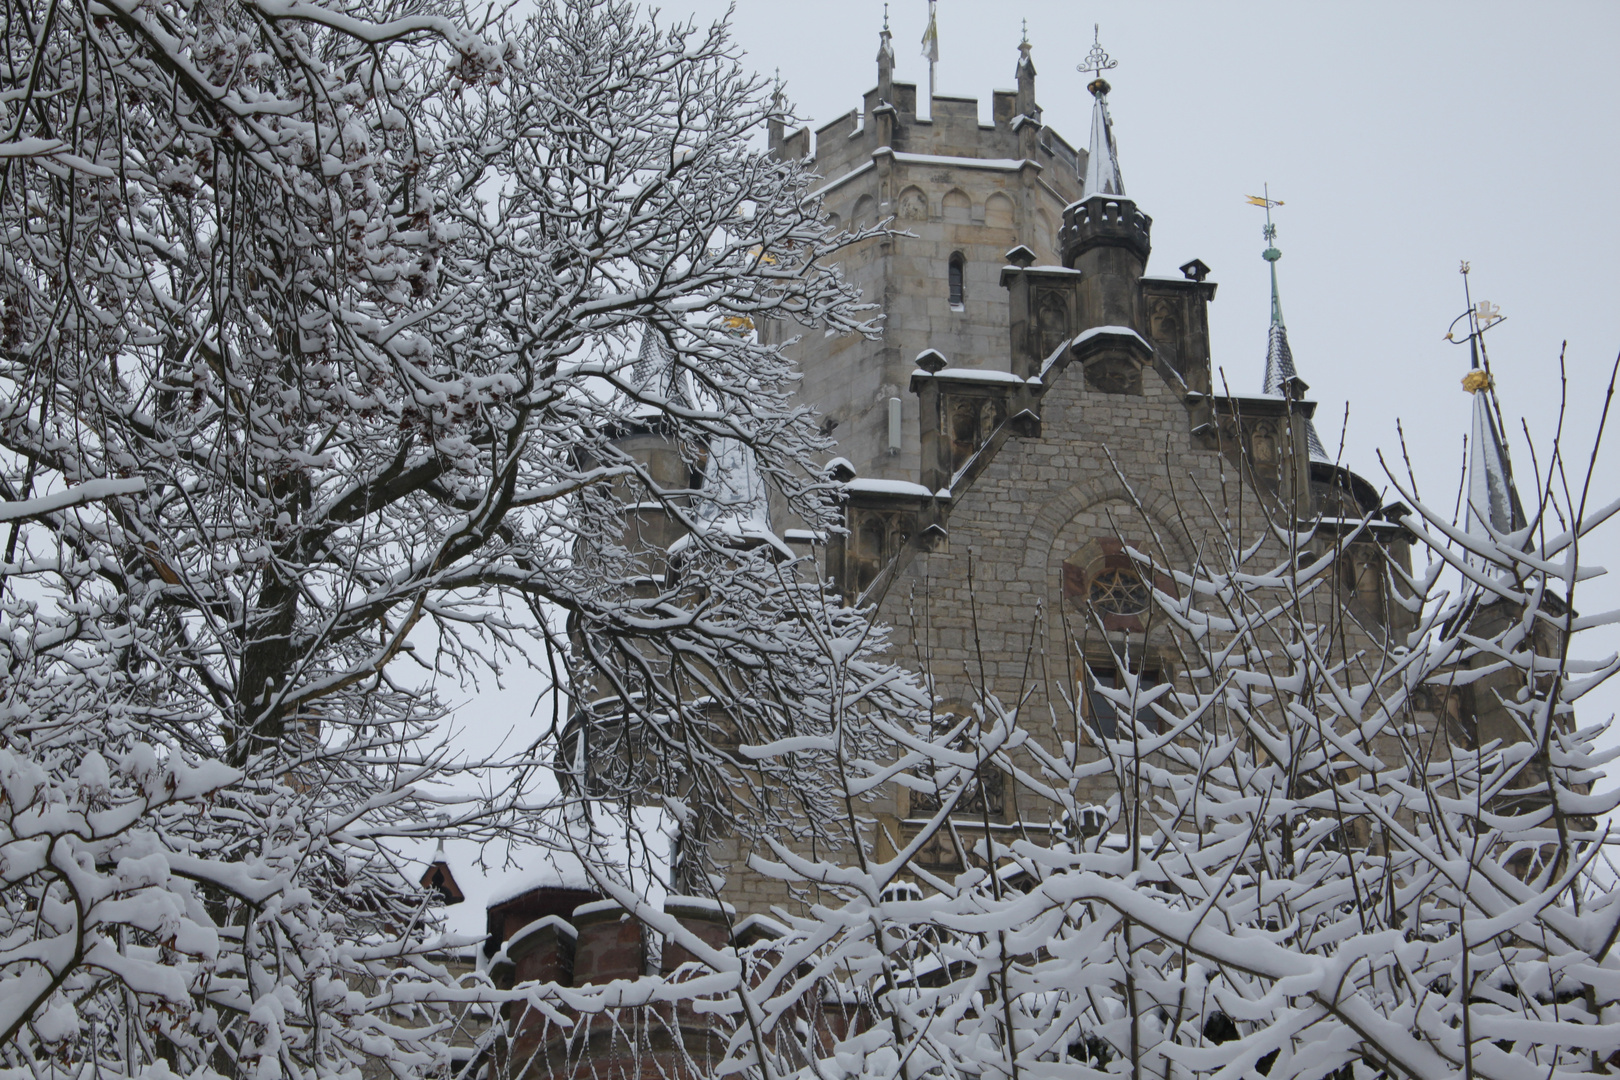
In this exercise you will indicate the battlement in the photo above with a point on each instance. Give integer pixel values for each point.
(952, 129)
(1104, 221)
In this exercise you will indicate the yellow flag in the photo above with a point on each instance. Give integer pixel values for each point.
(930, 38)
(1260, 200)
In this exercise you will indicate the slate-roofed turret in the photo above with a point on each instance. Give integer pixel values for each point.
(1282, 378)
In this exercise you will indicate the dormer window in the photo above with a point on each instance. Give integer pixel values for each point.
(958, 264)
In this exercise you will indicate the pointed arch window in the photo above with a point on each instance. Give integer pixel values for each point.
(957, 266)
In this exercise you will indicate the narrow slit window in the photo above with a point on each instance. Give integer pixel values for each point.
(957, 265)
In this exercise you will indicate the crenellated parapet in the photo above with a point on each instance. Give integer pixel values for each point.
(1106, 221)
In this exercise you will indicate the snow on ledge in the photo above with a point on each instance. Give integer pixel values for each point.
(975, 375)
(698, 903)
(562, 926)
(1098, 331)
(598, 905)
(838, 181)
(766, 925)
(1000, 164)
(1043, 269)
(889, 487)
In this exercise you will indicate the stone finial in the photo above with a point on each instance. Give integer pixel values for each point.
(1026, 82)
(1021, 256)
(932, 361)
(775, 124)
(885, 60)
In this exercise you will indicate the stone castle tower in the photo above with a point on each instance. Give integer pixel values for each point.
(1036, 405)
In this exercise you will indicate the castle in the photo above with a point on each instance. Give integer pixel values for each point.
(1036, 405)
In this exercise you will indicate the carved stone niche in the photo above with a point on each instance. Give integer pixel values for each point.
(1164, 328)
(1051, 319)
(1177, 325)
(1113, 359)
(970, 420)
(875, 538)
(1043, 313)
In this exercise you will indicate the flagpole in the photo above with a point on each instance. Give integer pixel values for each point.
(930, 43)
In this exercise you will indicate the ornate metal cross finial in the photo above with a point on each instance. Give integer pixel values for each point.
(1097, 61)
(885, 14)
(1024, 39)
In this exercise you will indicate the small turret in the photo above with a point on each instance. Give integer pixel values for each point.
(1104, 235)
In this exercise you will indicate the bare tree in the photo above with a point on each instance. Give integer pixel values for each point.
(320, 326)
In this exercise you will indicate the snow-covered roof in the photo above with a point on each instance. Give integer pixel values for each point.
(635, 853)
(839, 463)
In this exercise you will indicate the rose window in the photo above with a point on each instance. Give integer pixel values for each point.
(1119, 592)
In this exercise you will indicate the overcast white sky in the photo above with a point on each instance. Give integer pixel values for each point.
(1403, 137)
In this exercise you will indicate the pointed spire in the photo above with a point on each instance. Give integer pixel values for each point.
(655, 372)
(1102, 163)
(650, 361)
(1282, 378)
(438, 878)
(1493, 500)
(1492, 497)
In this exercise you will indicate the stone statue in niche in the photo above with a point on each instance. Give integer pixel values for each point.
(964, 432)
(1263, 446)
(1051, 321)
(875, 539)
(970, 422)
(1164, 322)
(1164, 327)
(913, 205)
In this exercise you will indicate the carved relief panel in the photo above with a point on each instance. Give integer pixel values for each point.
(1115, 374)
